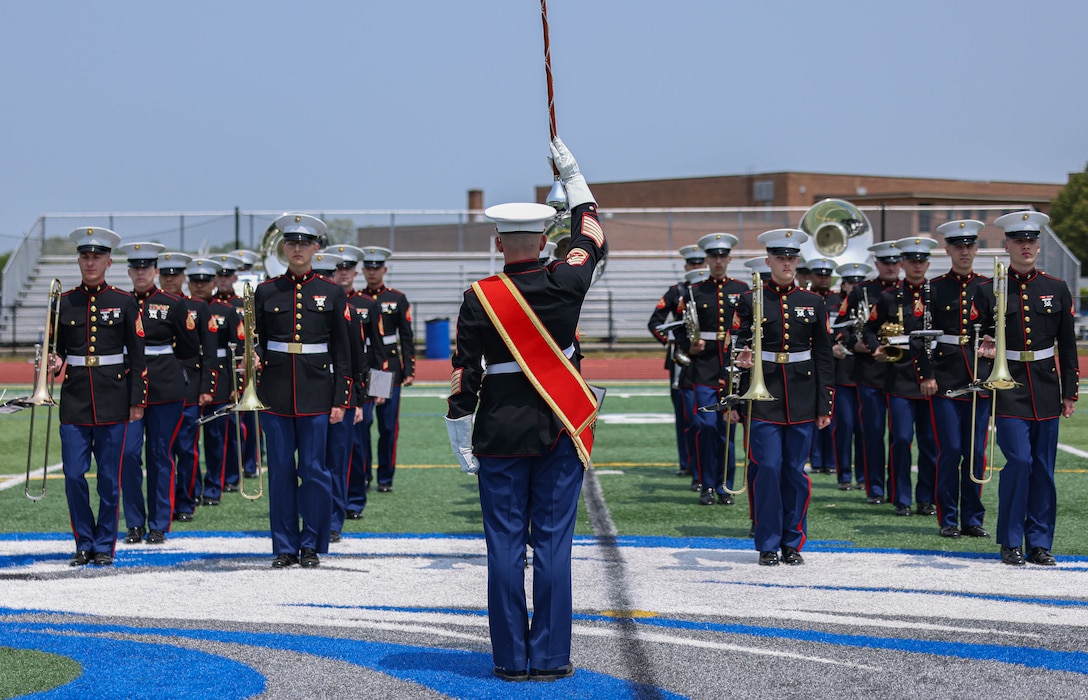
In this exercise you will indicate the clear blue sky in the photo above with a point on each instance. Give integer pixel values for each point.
(146, 106)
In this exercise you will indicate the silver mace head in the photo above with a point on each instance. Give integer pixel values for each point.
(557, 198)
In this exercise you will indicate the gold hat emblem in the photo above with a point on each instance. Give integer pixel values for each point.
(90, 231)
(917, 241)
(718, 237)
(298, 219)
(1025, 217)
(963, 224)
(136, 247)
(789, 233)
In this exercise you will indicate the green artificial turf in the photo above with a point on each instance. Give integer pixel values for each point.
(24, 671)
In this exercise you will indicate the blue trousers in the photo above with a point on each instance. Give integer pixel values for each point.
(691, 434)
(530, 500)
(359, 469)
(780, 489)
(874, 416)
(216, 453)
(1027, 499)
(154, 435)
(251, 442)
(906, 417)
(681, 418)
(231, 474)
(187, 458)
(709, 438)
(338, 449)
(77, 444)
(959, 500)
(299, 483)
(822, 454)
(847, 435)
(388, 415)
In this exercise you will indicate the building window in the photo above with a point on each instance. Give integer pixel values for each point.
(763, 191)
(925, 217)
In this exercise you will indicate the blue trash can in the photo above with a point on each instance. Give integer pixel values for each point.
(438, 339)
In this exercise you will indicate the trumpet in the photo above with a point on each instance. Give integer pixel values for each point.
(1000, 378)
(42, 394)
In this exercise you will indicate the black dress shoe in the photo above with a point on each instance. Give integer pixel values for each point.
(250, 475)
(875, 500)
(976, 531)
(511, 676)
(696, 487)
(768, 558)
(845, 486)
(1012, 556)
(156, 537)
(902, 510)
(334, 536)
(706, 498)
(103, 559)
(230, 488)
(183, 517)
(309, 559)
(926, 508)
(752, 532)
(791, 556)
(725, 499)
(385, 488)
(80, 558)
(355, 515)
(135, 535)
(210, 501)
(1042, 557)
(282, 561)
(683, 472)
(950, 531)
(551, 674)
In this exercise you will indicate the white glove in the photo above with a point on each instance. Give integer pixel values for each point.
(577, 189)
(460, 432)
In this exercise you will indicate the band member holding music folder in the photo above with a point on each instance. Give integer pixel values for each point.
(676, 366)
(1040, 324)
(100, 338)
(908, 380)
(166, 341)
(799, 374)
(301, 325)
(962, 303)
(715, 299)
(534, 422)
(199, 383)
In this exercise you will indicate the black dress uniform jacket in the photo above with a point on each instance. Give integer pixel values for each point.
(867, 371)
(396, 324)
(844, 368)
(198, 368)
(958, 303)
(368, 314)
(667, 310)
(96, 322)
(226, 325)
(1038, 316)
(903, 378)
(715, 300)
(311, 310)
(164, 319)
(513, 419)
(795, 321)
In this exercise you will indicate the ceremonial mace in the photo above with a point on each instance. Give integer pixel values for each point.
(558, 196)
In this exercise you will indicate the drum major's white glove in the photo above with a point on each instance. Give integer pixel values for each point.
(460, 432)
(572, 179)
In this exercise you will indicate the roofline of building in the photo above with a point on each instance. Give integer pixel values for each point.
(820, 174)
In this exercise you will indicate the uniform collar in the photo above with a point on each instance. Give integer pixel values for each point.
(780, 290)
(375, 291)
(886, 284)
(299, 279)
(227, 296)
(93, 290)
(523, 266)
(962, 279)
(913, 287)
(720, 282)
(146, 294)
(1029, 276)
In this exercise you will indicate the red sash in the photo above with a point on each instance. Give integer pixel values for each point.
(542, 361)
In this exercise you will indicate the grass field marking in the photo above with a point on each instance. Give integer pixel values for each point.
(10, 481)
(1072, 450)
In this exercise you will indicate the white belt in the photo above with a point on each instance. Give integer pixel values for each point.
(96, 360)
(785, 358)
(902, 340)
(954, 339)
(298, 348)
(221, 352)
(514, 367)
(159, 350)
(1030, 355)
(389, 339)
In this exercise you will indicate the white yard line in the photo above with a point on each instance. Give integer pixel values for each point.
(12, 480)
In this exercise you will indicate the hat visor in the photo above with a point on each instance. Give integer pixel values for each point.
(1022, 235)
(143, 263)
(93, 249)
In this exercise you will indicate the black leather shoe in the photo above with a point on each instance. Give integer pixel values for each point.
(752, 532)
(230, 488)
(696, 487)
(976, 531)
(551, 674)
(103, 559)
(875, 500)
(282, 561)
(791, 556)
(845, 486)
(334, 536)
(725, 499)
(950, 531)
(706, 498)
(156, 537)
(902, 510)
(135, 535)
(309, 559)
(80, 558)
(183, 517)
(511, 676)
(211, 501)
(385, 488)
(683, 472)
(1042, 557)
(355, 515)
(1012, 556)
(926, 508)
(768, 558)
(250, 475)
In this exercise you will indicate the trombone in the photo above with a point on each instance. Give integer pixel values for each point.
(42, 394)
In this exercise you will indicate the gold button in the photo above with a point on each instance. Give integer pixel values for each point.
(297, 337)
(963, 293)
(1025, 297)
(948, 308)
(1027, 342)
(94, 318)
(90, 349)
(1026, 308)
(786, 336)
(786, 324)
(94, 308)
(276, 308)
(92, 299)
(298, 326)
(94, 328)
(94, 339)
(298, 286)
(1027, 330)
(298, 306)
(298, 315)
